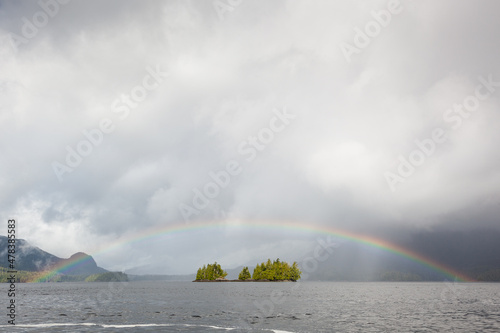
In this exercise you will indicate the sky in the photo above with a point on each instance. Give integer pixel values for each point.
(125, 117)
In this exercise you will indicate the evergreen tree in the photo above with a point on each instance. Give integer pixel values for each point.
(257, 273)
(210, 272)
(286, 271)
(271, 270)
(244, 274)
(269, 275)
(276, 270)
(295, 272)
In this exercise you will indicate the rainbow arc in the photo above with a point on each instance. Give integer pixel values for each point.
(371, 241)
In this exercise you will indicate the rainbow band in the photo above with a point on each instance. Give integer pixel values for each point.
(276, 225)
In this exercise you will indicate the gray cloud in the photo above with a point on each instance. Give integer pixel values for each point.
(226, 78)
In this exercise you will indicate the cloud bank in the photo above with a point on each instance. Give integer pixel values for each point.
(126, 116)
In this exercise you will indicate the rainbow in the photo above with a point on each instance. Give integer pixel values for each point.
(262, 225)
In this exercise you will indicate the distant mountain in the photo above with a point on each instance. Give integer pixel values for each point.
(31, 258)
(86, 265)
(28, 257)
(161, 277)
(232, 274)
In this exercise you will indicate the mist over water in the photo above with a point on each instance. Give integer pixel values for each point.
(258, 307)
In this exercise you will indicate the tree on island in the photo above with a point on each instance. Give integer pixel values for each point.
(276, 271)
(210, 272)
(244, 274)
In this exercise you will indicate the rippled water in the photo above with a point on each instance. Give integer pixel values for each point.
(255, 307)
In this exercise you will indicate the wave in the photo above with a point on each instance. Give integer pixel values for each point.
(50, 325)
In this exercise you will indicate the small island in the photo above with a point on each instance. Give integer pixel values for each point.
(271, 271)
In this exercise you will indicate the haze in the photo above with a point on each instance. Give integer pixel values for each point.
(371, 116)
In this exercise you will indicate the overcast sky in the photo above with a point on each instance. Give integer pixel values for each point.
(116, 116)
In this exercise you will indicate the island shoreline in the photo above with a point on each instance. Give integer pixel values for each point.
(249, 280)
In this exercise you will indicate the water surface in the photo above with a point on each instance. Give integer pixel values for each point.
(165, 306)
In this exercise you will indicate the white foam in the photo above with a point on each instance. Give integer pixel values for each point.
(49, 325)
(216, 327)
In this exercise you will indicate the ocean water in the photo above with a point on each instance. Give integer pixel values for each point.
(165, 306)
